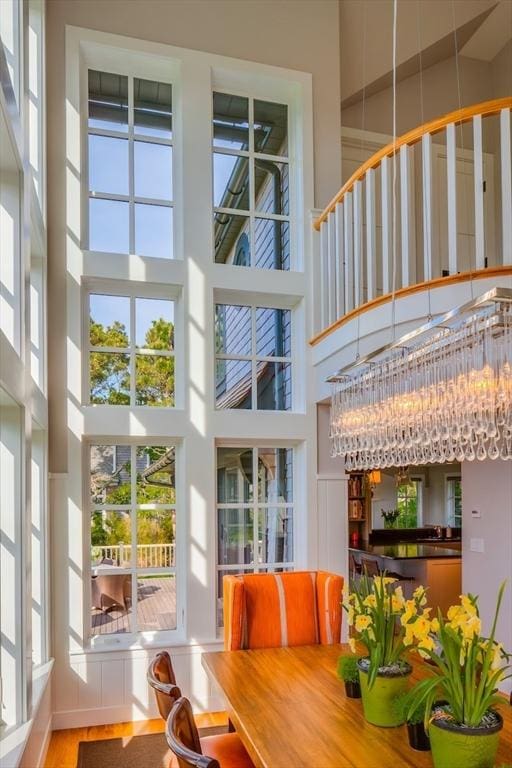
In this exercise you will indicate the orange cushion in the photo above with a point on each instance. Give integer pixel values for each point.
(262, 610)
(299, 589)
(234, 612)
(329, 596)
(228, 749)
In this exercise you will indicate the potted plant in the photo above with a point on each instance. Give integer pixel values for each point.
(385, 623)
(390, 517)
(466, 670)
(414, 717)
(348, 671)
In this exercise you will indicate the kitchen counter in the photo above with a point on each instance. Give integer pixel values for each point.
(407, 551)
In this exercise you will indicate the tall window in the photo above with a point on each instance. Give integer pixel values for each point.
(131, 350)
(253, 357)
(251, 182)
(38, 545)
(454, 501)
(409, 502)
(10, 39)
(254, 511)
(133, 538)
(130, 165)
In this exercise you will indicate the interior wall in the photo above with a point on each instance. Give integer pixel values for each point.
(487, 541)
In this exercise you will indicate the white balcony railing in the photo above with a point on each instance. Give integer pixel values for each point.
(148, 555)
(434, 205)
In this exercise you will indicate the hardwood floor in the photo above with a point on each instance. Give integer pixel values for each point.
(63, 749)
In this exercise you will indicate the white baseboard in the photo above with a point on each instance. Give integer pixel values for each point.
(81, 718)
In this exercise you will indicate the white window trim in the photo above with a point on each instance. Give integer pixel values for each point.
(252, 213)
(197, 425)
(137, 639)
(133, 290)
(449, 500)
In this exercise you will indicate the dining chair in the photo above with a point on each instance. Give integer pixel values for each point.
(161, 678)
(268, 610)
(370, 567)
(223, 751)
(354, 567)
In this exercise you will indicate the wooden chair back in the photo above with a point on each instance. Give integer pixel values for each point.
(369, 566)
(183, 738)
(161, 678)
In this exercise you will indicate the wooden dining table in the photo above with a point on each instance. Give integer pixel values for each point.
(290, 710)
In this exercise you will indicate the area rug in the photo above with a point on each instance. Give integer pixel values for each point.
(147, 751)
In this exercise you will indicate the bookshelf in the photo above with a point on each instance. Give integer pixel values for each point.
(359, 505)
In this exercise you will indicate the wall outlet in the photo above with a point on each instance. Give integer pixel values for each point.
(476, 545)
(475, 513)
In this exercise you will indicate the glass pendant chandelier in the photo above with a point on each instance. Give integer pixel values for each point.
(442, 393)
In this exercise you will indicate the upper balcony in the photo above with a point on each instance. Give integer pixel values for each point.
(421, 226)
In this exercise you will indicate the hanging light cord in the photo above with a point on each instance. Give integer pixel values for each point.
(393, 279)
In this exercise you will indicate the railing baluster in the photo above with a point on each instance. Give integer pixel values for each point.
(407, 218)
(451, 182)
(426, 156)
(371, 255)
(385, 181)
(348, 266)
(506, 186)
(358, 243)
(479, 192)
(331, 267)
(324, 309)
(340, 259)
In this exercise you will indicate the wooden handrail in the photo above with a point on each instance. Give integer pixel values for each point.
(437, 282)
(458, 117)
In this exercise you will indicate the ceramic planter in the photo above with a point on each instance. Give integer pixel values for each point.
(453, 746)
(418, 739)
(352, 689)
(378, 701)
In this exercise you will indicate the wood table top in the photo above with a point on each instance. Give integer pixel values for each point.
(290, 710)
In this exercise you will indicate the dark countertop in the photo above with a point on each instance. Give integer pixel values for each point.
(409, 551)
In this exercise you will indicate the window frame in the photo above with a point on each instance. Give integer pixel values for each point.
(254, 359)
(252, 213)
(256, 505)
(419, 481)
(133, 290)
(144, 638)
(450, 497)
(138, 66)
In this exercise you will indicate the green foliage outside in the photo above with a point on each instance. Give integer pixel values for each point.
(110, 372)
(407, 504)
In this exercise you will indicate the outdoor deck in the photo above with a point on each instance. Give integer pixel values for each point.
(156, 609)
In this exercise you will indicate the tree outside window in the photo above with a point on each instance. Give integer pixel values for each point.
(409, 504)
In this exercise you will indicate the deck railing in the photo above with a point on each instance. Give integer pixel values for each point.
(148, 555)
(360, 231)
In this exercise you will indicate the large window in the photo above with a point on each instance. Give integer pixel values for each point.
(254, 511)
(130, 165)
(253, 357)
(131, 350)
(10, 39)
(251, 182)
(132, 538)
(409, 504)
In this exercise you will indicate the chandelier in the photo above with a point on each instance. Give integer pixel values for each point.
(442, 393)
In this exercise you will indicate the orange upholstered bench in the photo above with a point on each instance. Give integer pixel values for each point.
(268, 610)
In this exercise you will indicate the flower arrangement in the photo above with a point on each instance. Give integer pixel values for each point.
(377, 609)
(467, 667)
(390, 516)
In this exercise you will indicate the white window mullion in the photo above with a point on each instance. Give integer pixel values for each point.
(133, 357)
(256, 512)
(133, 548)
(131, 166)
